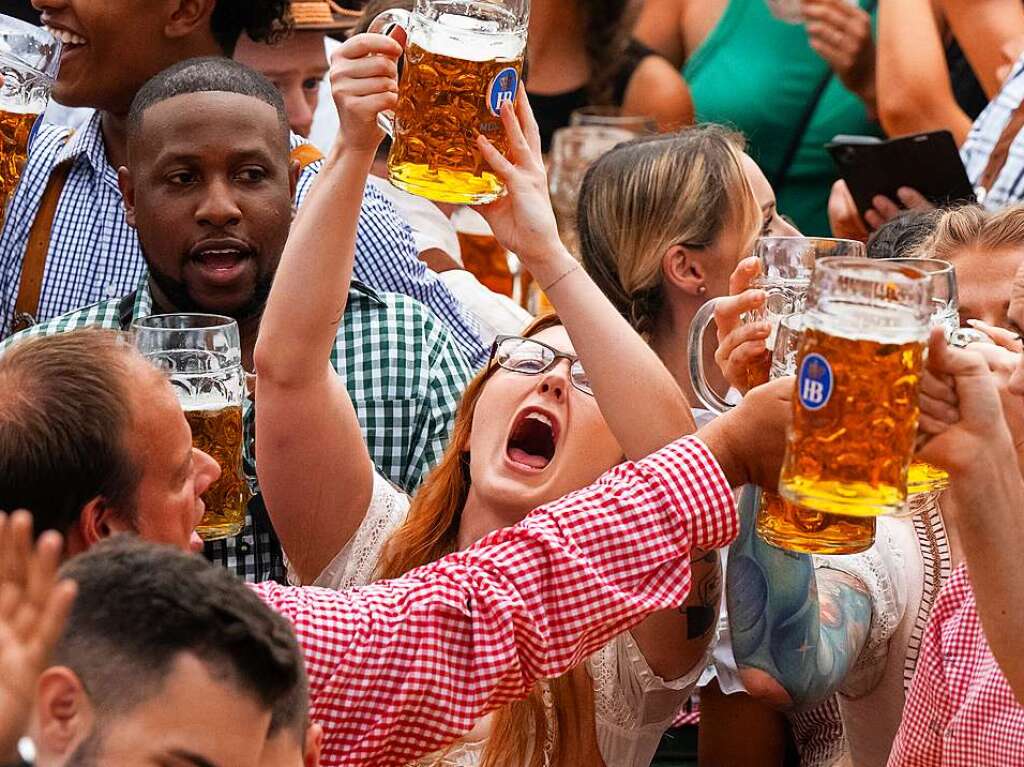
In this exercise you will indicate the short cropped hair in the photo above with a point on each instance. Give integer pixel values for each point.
(262, 20)
(142, 606)
(903, 236)
(207, 74)
(972, 228)
(64, 421)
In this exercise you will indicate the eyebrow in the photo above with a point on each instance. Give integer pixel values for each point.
(768, 206)
(192, 758)
(246, 154)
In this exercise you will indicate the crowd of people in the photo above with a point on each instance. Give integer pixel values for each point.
(478, 535)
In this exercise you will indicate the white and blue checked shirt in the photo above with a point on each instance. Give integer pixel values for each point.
(95, 255)
(1008, 188)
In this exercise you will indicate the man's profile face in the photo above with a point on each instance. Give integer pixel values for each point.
(295, 66)
(172, 474)
(111, 47)
(210, 192)
(197, 719)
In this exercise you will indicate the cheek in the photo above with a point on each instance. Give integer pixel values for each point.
(592, 442)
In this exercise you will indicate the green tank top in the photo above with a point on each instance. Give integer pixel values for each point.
(759, 75)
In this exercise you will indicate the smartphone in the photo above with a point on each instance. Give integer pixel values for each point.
(927, 162)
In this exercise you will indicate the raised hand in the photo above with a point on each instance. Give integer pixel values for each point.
(523, 220)
(33, 608)
(364, 83)
(840, 32)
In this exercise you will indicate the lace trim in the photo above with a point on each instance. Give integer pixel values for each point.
(938, 564)
(819, 734)
(881, 570)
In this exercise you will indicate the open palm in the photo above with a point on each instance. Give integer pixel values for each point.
(33, 608)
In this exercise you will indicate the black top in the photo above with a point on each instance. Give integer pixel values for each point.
(21, 9)
(553, 111)
(966, 88)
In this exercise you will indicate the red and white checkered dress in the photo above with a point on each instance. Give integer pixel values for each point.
(402, 668)
(960, 710)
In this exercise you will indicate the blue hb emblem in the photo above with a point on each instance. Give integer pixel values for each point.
(814, 382)
(503, 88)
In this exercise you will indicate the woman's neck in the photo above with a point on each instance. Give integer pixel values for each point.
(479, 519)
(670, 341)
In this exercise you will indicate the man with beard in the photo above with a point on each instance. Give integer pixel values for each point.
(208, 186)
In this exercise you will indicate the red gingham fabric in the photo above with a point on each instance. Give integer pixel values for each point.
(399, 669)
(960, 711)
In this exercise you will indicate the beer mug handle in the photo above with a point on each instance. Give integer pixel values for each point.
(708, 396)
(383, 25)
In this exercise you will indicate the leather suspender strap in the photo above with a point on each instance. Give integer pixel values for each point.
(29, 289)
(1000, 152)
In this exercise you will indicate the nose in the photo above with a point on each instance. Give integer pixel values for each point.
(207, 471)
(299, 110)
(49, 5)
(218, 206)
(555, 382)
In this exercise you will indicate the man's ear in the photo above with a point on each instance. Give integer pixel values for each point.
(127, 186)
(682, 270)
(187, 16)
(64, 714)
(99, 521)
(314, 745)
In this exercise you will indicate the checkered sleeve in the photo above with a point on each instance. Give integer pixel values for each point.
(398, 669)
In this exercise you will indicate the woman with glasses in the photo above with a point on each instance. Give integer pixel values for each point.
(553, 409)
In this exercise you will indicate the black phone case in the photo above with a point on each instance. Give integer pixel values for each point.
(927, 162)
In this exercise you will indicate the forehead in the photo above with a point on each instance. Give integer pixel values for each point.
(758, 182)
(299, 52)
(158, 422)
(988, 269)
(557, 338)
(210, 124)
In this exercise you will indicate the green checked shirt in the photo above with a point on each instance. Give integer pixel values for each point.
(404, 373)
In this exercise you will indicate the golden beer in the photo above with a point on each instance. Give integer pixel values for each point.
(924, 478)
(444, 103)
(759, 371)
(15, 130)
(786, 526)
(849, 455)
(217, 431)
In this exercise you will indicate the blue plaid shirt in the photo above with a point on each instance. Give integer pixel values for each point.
(1008, 187)
(95, 255)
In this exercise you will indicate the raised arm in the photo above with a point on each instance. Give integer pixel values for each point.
(914, 91)
(796, 633)
(400, 668)
(986, 30)
(620, 364)
(313, 465)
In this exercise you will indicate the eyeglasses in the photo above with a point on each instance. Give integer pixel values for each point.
(530, 357)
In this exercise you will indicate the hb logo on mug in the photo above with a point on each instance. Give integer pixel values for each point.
(503, 88)
(814, 383)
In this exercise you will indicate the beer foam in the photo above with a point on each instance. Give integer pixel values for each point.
(467, 38)
(205, 401)
(891, 324)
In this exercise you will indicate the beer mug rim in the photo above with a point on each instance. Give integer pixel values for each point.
(46, 61)
(930, 266)
(611, 117)
(519, 9)
(870, 270)
(185, 320)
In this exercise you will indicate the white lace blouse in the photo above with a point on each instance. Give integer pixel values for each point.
(633, 706)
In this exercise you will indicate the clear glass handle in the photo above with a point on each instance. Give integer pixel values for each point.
(708, 396)
(382, 25)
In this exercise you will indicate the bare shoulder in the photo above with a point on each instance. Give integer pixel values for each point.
(658, 89)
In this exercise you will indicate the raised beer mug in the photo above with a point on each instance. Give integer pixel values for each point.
(787, 264)
(202, 356)
(791, 527)
(29, 59)
(463, 60)
(855, 407)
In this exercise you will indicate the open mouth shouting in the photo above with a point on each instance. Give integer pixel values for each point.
(220, 261)
(70, 41)
(533, 440)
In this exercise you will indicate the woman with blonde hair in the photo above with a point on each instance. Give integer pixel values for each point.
(553, 410)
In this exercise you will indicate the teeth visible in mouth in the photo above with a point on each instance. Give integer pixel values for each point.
(68, 38)
(542, 418)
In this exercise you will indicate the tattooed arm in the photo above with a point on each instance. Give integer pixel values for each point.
(796, 632)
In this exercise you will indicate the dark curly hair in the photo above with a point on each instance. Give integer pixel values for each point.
(263, 20)
(607, 25)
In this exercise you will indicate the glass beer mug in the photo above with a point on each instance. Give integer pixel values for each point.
(29, 58)
(787, 264)
(786, 526)
(855, 407)
(923, 477)
(202, 357)
(463, 60)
